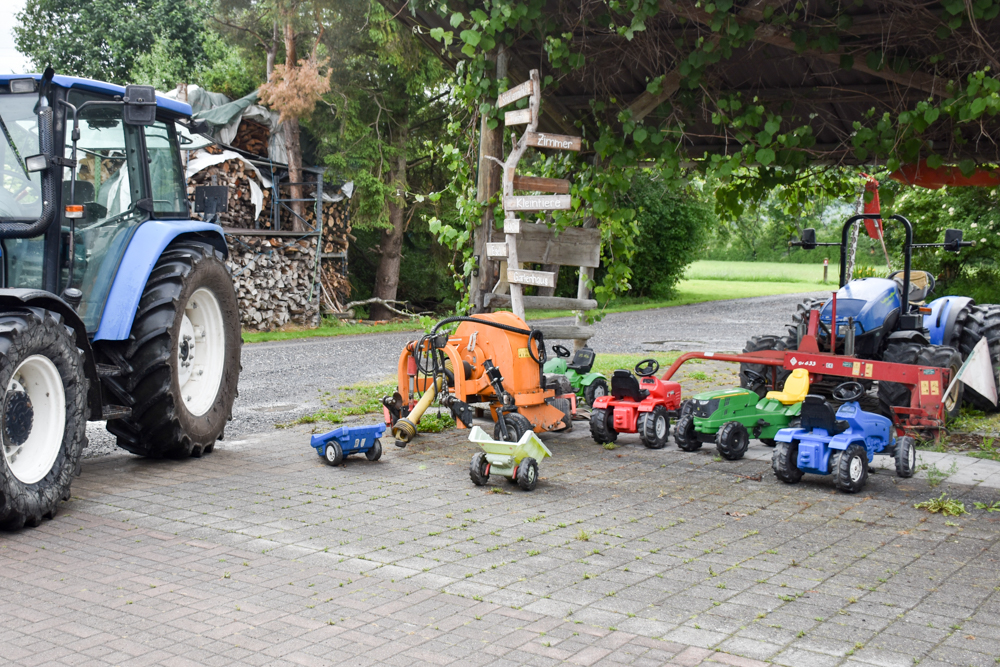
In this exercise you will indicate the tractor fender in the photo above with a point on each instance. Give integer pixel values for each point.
(844, 440)
(790, 434)
(912, 336)
(588, 379)
(145, 248)
(603, 402)
(34, 298)
(941, 320)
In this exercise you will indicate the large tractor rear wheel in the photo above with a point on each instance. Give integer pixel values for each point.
(981, 321)
(185, 356)
(895, 394)
(44, 415)
(758, 343)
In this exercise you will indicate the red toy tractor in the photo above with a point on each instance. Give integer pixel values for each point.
(642, 406)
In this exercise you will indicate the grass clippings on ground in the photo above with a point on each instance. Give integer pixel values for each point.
(943, 505)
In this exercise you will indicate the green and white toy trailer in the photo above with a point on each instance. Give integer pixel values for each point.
(730, 417)
(517, 461)
(585, 384)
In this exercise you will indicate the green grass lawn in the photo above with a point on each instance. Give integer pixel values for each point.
(329, 328)
(761, 272)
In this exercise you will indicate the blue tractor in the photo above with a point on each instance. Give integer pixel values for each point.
(874, 321)
(115, 304)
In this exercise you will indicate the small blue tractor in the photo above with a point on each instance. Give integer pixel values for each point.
(115, 304)
(874, 321)
(841, 443)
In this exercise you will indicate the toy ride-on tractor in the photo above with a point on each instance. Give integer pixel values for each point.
(730, 417)
(642, 406)
(585, 384)
(841, 443)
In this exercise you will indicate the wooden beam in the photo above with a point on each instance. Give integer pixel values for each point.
(539, 302)
(574, 246)
(563, 331)
(559, 186)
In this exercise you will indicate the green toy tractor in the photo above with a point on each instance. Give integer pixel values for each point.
(730, 417)
(587, 385)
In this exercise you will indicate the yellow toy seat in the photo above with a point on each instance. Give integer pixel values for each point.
(796, 388)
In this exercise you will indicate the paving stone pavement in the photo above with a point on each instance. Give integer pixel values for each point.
(261, 554)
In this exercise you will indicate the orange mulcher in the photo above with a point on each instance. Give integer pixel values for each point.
(491, 361)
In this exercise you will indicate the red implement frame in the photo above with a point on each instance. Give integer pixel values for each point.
(927, 383)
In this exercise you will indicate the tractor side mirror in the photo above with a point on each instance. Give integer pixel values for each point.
(953, 240)
(140, 105)
(808, 239)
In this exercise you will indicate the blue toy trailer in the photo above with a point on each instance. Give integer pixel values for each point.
(841, 443)
(347, 440)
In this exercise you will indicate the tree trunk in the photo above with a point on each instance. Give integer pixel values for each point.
(292, 143)
(387, 276)
(272, 50)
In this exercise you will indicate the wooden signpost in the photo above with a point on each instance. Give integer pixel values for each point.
(538, 243)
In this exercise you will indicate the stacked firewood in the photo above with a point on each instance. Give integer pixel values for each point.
(236, 175)
(273, 278)
(252, 137)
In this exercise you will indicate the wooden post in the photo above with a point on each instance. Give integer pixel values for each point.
(582, 291)
(489, 182)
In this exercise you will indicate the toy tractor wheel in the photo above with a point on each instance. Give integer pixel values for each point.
(43, 415)
(517, 425)
(333, 454)
(602, 426)
(184, 356)
(784, 462)
(684, 434)
(686, 406)
(981, 321)
(850, 469)
(595, 390)
(756, 344)
(655, 428)
(527, 474)
(732, 441)
(906, 456)
(479, 469)
(375, 453)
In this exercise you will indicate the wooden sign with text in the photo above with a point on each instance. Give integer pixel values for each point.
(537, 203)
(558, 141)
(496, 250)
(519, 117)
(515, 93)
(558, 186)
(536, 278)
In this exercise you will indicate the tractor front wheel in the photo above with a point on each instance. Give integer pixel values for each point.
(602, 428)
(654, 428)
(896, 394)
(44, 415)
(685, 435)
(732, 441)
(850, 469)
(595, 390)
(184, 354)
(785, 462)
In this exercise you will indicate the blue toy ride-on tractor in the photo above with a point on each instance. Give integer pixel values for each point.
(115, 304)
(841, 443)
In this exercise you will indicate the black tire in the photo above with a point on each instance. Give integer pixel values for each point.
(333, 454)
(945, 357)
(850, 469)
(479, 469)
(894, 393)
(527, 474)
(784, 462)
(732, 441)
(981, 321)
(30, 493)
(758, 343)
(687, 405)
(375, 453)
(794, 423)
(906, 456)
(684, 434)
(802, 315)
(517, 425)
(595, 390)
(654, 430)
(563, 405)
(161, 425)
(602, 428)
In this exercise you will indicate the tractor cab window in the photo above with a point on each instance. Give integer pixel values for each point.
(20, 191)
(165, 176)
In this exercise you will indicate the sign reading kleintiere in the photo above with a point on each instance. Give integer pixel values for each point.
(537, 203)
(537, 278)
(519, 117)
(559, 141)
(514, 94)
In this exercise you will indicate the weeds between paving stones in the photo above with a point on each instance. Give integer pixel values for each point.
(994, 507)
(943, 505)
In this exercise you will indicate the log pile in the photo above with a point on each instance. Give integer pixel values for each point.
(252, 137)
(234, 174)
(273, 278)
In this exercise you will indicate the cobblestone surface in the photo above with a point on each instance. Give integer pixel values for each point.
(261, 554)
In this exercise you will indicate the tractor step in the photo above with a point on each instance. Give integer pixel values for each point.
(108, 370)
(116, 412)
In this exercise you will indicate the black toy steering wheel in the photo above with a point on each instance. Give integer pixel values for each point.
(754, 378)
(849, 391)
(560, 351)
(647, 367)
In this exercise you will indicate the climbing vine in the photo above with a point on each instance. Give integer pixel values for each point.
(773, 151)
